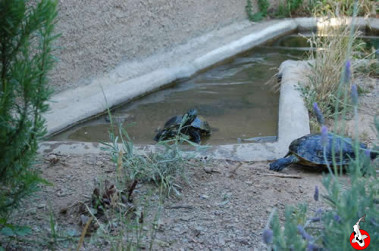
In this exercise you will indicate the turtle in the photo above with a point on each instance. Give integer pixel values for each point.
(309, 151)
(195, 126)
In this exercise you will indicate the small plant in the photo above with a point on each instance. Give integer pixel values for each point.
(288, 8)
(342, 8)
(347, 201)
(329, 51)
(26, 36)
(118, 216)
(263, 6)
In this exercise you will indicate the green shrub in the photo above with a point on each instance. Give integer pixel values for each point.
(342, 8)
(288, 8)
(26, 36)
(346, 200)
(329, 50)
(263, 6)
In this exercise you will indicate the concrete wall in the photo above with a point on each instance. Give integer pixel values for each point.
(96, 36)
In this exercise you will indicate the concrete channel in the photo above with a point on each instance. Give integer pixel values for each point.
(73, 106)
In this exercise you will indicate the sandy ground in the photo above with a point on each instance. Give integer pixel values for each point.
(224, 204)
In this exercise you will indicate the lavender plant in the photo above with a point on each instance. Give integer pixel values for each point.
(346, 200)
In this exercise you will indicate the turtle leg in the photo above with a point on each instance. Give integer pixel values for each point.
(162, 135)
(158, 136)
(280, 164)
(195, 136)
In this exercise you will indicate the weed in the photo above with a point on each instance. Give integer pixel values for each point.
(328, 55)
(334, 8)
(263, 6)
(288, 8)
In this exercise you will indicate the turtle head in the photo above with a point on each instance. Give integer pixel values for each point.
(191, 114)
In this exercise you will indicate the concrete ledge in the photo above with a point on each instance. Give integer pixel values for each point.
(70, 107)
(293, 123)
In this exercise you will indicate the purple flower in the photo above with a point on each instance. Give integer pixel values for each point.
(354, 94)
(324, 136)
(315, 219)
(347, 71)
(312, 247)
(319, 116)
(315, 196)
(303, 233)
(319, 211)
(368, 153)
(267, 236)
(337, 218)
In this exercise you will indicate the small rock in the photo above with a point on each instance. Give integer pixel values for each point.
(162, 243)
(208, 169)
(41, 206)
(72, 232)
(53, 159)
(301, 189)
(83, 219)
(221, 240)
(99, 163)
(205, 197)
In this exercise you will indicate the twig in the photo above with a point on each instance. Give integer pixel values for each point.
(84, 233)
(236, 168)
(282, 175)
(180, 206)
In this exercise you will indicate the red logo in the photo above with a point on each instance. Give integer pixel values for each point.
(359, 238)
(356, 243)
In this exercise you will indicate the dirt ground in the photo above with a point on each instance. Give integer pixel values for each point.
(224, 205)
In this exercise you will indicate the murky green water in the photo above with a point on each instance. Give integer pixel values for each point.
(233, 97)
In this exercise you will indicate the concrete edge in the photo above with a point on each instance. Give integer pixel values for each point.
(293, 123)
(293, 115)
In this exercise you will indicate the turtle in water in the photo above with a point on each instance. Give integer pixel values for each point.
(309, 151)
(194, 126)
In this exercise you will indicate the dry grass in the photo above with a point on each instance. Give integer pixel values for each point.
(330, 50)
(333, 8)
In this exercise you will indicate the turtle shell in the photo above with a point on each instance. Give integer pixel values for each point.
(310, 150)
(173, 122)
(200, 123)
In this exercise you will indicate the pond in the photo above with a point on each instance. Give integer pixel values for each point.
(233, 97)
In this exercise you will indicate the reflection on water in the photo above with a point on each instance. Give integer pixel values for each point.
(232, 97)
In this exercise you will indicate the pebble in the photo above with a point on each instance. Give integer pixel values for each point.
(41, 206)
(99, 163)
(221, 240)
(83, 219)
(205, 197)
(208, 169)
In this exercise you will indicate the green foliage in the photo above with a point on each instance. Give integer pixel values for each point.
(288, 8)
(342, 7)
(162, 167)
(347, 199)
(331, 228)
(328, 54)
(263, 6)
(26, 36)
